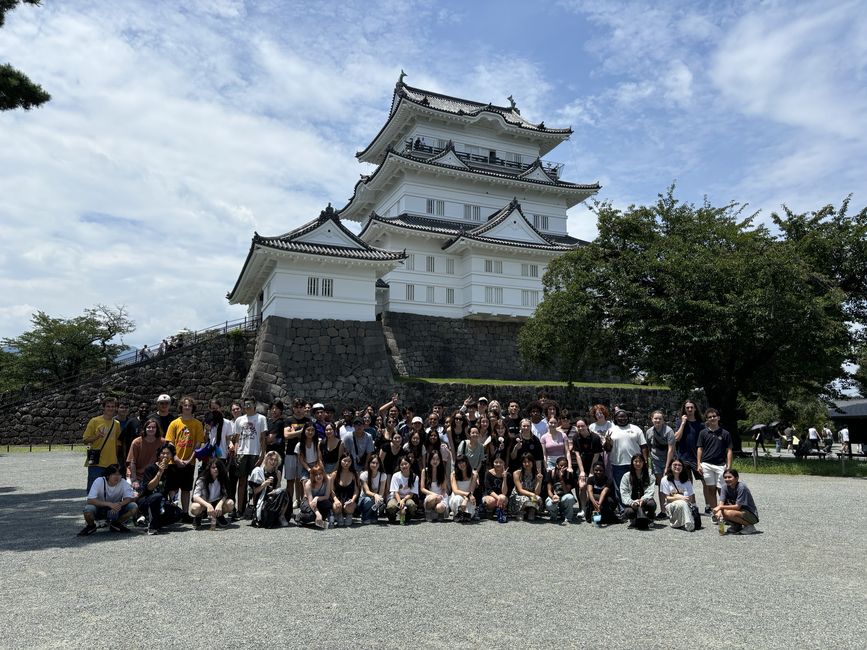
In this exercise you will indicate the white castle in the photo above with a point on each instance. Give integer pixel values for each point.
(460, 219)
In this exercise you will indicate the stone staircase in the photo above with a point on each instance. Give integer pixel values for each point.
(394, 355)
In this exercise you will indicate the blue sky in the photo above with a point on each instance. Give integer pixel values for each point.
(176, 130)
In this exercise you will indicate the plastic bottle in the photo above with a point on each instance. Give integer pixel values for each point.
(722, 525)
(402, 518)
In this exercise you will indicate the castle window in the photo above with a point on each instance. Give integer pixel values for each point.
(327, 287)
(529, 298)
(530, 270)
(431, 263)
(429, 295)
(493, 266)
(494, 295)
(410, 292)
(450, 296)
(436, 207)
(540, 221)
(312, 286)
(450, 266)
(472, 212)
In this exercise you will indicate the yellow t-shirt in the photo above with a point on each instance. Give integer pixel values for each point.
(185, 435)
(95, 433)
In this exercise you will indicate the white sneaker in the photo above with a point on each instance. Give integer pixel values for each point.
(141, 521)
(347, 521)
(283, 522)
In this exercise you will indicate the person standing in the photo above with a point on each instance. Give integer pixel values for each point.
(129, 429)
(359, 445)
(714, 455)
(844, 441)
(624, 441)
(143, 452)
(102, 434)
(276, 425)
(162, 414)
(292, 435)
(249, 440)
(661, 439)
(686, 436)
(187, 434)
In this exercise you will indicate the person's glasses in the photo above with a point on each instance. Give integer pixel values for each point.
(713, 417)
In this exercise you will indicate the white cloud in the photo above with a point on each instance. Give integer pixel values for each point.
(803, 66)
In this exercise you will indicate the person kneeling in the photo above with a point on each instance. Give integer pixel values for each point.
(269, 498)
(637, 493)
(404, 494)
(676, 488)
(211, 496)
(111, 498)
(560, 502)
(159, 486)
(737, 507)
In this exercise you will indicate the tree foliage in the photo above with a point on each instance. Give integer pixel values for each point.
(58, 348)
(16, 88)
(703, 297)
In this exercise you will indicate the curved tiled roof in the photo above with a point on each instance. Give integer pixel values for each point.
(510, 115)
(392, 154)
(456, 230)
(368, 253)
(458, 106)
(288, 242)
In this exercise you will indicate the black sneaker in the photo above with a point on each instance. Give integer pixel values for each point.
(118, 527)
(154, 531)
(187, 519)
(234, 516)
(222, 522)
(196, 521)
(707, 510)
(88, 530)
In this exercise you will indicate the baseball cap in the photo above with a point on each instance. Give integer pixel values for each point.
(357, 421)
(164, 398)
(417, 419)
(318, 407)
(483, 399)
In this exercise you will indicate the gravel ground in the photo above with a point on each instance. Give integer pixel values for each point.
(801, 583)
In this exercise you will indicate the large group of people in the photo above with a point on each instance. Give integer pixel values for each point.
(315, 467)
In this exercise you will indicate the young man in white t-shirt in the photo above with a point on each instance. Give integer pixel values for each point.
(112, 498)
(249, 440)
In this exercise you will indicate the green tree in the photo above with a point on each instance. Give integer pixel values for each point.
(703, 297)
(58, 348)
(16, 89)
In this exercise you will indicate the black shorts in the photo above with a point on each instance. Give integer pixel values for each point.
(185, 476)
(695, 475)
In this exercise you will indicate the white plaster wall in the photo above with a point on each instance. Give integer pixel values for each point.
(354, 292)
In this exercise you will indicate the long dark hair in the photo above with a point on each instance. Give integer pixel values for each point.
(639, 483)
(340, 467)
(222, 476)
(429, 470)
(528, 456)
(460, 474)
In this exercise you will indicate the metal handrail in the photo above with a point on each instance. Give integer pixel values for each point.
(181, 340)
(552, 168)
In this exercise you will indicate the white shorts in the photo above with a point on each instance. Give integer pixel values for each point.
(712, 474)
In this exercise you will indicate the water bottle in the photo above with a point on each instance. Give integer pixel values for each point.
(402, 517)
(722, 525)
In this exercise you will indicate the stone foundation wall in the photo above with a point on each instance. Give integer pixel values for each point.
(216, 367)
(323, 360)
(475, 349)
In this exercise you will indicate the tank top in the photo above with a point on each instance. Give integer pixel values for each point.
(343, 492)
(329, 457)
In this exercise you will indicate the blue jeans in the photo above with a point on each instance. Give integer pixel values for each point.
(101, 512)
(617, 473)
(562, 509)
(365, 505)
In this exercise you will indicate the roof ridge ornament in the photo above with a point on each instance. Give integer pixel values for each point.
(513, 106)
(400, 78)
(327, 213)
(514, 204)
